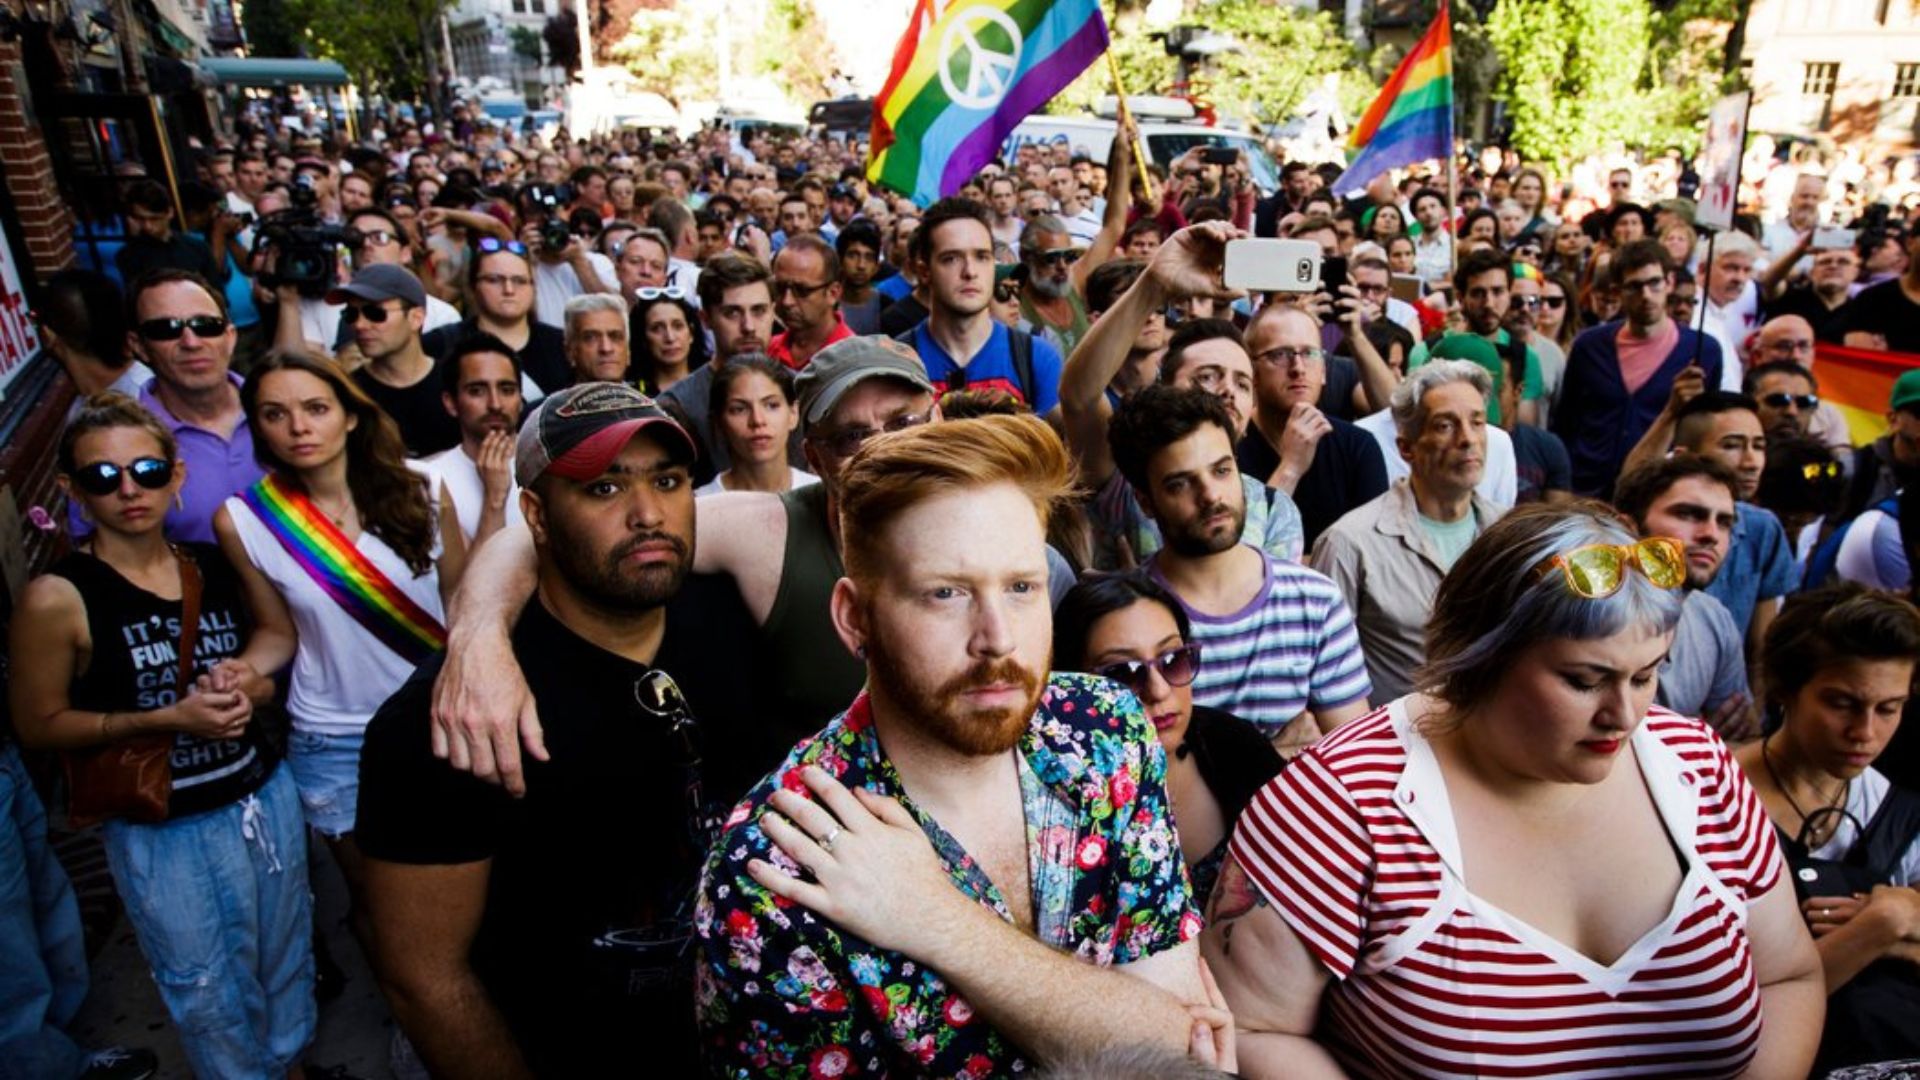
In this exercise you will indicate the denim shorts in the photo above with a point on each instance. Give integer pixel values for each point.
(222, 908)
(327, 770)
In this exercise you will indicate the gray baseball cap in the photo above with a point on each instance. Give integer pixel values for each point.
(381, 282)
(839, 367)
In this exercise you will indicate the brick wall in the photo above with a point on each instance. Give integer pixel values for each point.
(44, 218)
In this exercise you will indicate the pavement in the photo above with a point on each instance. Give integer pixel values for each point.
(124, 1009)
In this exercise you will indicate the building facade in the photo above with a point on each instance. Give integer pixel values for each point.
(1848, 70)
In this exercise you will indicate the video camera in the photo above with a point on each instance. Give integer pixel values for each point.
(305, 248)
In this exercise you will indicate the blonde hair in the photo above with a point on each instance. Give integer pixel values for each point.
(894, 472)
(110, 409)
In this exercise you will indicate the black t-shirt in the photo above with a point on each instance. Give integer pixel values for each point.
(543, 357)
(1802, 301)
(1884, 309)
(1336, 395)
(1347, 471)
(134, 667)
(425, 425)
(600, 843)
(1540, 463)
(902, 315)
(141, 254)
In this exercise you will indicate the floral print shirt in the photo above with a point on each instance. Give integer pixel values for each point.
(787, 996)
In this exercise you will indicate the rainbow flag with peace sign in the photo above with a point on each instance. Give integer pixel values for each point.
(964, 75)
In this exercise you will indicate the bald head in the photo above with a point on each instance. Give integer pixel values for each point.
(1785, 337)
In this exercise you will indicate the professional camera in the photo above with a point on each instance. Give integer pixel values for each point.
(305, 248)
(546, 200)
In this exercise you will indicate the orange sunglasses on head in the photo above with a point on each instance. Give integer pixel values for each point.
(1596, 571)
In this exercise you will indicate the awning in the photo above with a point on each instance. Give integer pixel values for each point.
(504, 108)
(275, 72)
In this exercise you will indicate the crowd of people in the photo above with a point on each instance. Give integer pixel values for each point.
(724, 618)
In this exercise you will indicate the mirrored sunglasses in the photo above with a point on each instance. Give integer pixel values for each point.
(103, 477)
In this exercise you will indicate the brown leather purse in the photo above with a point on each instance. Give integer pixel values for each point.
(132, 778)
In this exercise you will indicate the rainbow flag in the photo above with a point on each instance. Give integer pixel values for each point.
(1860, 383)
(1412, 119)
(343, 572)
(964, 75)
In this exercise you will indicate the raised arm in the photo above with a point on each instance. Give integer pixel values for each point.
(1659, 437)
(482, 709)
(1114, 222)
(1377, 380)
(424, 920)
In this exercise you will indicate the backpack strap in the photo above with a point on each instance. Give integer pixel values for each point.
(1893, 830)
(1020, 344)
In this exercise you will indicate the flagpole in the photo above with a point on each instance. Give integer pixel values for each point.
(1126, 122)
(1453, 157)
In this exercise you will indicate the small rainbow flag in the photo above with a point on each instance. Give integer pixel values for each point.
(1412, 119)
(1860, 383)
(343, 572)
(964, 75)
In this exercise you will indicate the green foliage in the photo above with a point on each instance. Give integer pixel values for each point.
(671, 53)
(268, 30)
(526, 43)
(1287, 52)
(387, 47)
(795, 50)
(1581, 76)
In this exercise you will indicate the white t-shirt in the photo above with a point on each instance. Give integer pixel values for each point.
(454, 472)
(1871, 553)
(1499, 481)
(555, 283)
(799, 478)
(342, 673)
(1730, 326)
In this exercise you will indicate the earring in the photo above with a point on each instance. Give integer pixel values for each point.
(180, 501)
(861, 652)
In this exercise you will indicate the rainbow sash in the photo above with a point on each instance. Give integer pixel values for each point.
(358, 586)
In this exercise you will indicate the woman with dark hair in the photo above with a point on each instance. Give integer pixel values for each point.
(667, 339)
(1556, 320)
(132, 645)
(1530, 191)
(1527, 833)
(83, 322)
(339, 540)
(1128, 628)
(1383, 223)
(1482, 227)
(752, 404)
(1839, 665)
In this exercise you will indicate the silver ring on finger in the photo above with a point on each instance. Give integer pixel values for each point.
(826, 842)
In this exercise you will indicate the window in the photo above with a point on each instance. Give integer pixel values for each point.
(539, 7)
(1819, 79)
(1906, 80)
(519, 7)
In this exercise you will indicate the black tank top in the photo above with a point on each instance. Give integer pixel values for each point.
(135, 663)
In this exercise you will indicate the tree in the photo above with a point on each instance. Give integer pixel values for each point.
(671, 53)
(1572, 73)
(268, 30)
(562, 34)
(388, 48)
(526, 43)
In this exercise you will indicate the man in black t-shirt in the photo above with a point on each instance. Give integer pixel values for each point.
(385, 306)
(546, 935)
(1887, 315)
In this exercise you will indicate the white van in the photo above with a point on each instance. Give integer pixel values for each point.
(1166, 127)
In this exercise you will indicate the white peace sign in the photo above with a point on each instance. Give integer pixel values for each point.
(988, 71)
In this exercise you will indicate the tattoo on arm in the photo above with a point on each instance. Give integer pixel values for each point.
(1234, 897)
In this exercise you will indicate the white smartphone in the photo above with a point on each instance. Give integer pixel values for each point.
(1265, 265)
(1833, 239)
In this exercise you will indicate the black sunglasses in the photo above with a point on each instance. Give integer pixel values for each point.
(103, 477)
(1056, 257)
(1177, 666)
(206, 326)
(376, 312)
(1782, 400)
(1554, 303)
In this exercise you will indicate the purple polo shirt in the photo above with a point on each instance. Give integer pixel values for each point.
(216, 468)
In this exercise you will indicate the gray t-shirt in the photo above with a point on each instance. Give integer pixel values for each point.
(692, 395)
(1706, 666)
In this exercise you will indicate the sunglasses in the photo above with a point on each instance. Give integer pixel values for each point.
(844, 443)
(1530, 303)
(487, 245)
(1596, 571)
(204, 326)
(671, 292)
(1803, 402)
(373, 313)
(1056, 257)
(1177, 666)
(1818, 470)
(103, 477)
(799, 291)
(1553, 303)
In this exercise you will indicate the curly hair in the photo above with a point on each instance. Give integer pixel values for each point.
(390, 497)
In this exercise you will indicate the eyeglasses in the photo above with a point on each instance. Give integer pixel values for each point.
(1177, 666)
(103, 477)
(800, 291)
(651, 293)
(1818, 470)
(1285, 356)
(380, 237)
(1005, 292)
(497, 281)
(487, 245)
(844, 443)
(1596, 571)
(1531, 303)
(1553, 303)
(373, 313)
(1056, 257)
(1644, 284)
(1803, 402)
(204, 326)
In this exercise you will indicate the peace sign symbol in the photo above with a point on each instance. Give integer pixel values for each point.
(987, 71)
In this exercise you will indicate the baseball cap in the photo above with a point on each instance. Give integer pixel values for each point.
(839, 367)
(1906, 390)
(577, 432)
(381, 282)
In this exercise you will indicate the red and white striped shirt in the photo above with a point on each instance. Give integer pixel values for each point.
(1355, 846)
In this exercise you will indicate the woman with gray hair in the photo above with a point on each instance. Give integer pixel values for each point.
(1523, 867)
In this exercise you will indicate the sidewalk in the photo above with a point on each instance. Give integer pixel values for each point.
(124, 1009)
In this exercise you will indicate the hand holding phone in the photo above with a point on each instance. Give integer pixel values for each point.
(1267, 265)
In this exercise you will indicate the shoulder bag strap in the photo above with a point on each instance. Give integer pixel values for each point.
(190, 590)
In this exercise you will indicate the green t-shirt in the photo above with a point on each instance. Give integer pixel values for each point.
(1451, 538)
(1530, 387)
